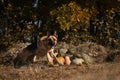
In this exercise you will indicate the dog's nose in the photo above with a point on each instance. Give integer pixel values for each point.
(51, 43)
(49, 40)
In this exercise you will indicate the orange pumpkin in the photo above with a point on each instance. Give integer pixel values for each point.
(67, 60)
(60, 60)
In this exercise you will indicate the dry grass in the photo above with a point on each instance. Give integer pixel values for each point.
(39, 71)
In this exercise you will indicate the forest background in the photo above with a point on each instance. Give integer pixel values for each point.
(76, 21)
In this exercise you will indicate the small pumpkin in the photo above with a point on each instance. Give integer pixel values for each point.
(61, 60)
(67, 60)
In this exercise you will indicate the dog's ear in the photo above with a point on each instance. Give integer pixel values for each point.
(55, 34)
(48, 33)
(51, 32)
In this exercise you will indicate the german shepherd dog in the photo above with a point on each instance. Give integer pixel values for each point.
(44, 45)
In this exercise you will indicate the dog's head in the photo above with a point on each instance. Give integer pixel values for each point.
(50, 40)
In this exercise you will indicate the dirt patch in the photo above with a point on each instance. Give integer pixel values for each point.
(38, 71)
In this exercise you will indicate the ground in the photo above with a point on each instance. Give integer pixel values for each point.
(40, 71)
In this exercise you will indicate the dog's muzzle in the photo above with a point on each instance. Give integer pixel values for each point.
(51, 43)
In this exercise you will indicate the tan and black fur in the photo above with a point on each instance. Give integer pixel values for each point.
(44, 44)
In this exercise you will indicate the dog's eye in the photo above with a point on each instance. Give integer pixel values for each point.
(54, 39)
